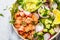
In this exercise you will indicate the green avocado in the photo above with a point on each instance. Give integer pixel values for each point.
(51, 31)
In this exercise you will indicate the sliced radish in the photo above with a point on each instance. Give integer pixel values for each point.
(37, 15)
(50, 37)
(54, 6)
(27, 13)
(46, 36)
(39, 27)
(22, 14)
(19, 7)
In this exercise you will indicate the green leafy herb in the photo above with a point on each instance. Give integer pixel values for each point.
(44, 12)
(12, 22)
(14, 10)
(20, 2)
(35, 35)
(40, 38)
(1, 15)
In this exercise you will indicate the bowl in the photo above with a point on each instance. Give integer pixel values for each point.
(27, 39)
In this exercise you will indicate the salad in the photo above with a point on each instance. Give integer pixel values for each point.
(36, 19)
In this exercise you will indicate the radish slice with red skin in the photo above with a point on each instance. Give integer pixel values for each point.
(22, 14)
(47, 36)
(54, 6)
(39, 27)
(19, 8)
(27, 13)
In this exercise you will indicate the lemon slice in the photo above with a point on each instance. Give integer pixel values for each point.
(57, 16)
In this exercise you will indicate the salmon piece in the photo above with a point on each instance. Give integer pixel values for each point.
(35, 18)
(32, 27)
(25, 24)
(17, 15)
(30, 36)
(25, 35)
(24, 18)
(19, 18)
(29, 27)
(21, 28)
(28, 20)
(18, 21)
(20, 32)
(17, 25)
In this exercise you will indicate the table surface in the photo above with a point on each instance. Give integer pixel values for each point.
(6, 30)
